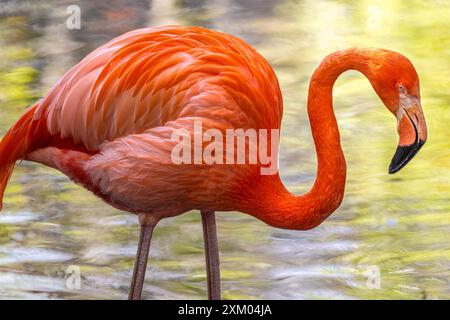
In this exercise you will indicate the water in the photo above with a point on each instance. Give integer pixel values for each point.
(396, 226)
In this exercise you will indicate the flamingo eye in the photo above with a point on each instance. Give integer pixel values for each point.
(401, 88)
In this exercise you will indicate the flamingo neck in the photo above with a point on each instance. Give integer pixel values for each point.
(276, 205)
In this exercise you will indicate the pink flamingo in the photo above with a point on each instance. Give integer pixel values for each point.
(107, 125)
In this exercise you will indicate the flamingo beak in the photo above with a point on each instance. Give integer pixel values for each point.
(412, 130)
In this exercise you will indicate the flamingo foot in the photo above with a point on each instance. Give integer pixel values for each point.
(211, 254)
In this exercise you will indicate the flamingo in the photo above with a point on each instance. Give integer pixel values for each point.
(107, 125)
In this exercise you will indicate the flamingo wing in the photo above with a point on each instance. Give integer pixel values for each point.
(148, 77)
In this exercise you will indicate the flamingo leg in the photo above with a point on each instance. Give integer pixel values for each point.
(211, 254)
(140, 264)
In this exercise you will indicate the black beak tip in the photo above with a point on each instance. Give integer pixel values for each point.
(393, 169)
(403, 155)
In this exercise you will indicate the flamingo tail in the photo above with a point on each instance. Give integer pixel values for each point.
(14, 146)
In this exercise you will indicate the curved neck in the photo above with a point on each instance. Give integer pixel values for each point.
(276, 205)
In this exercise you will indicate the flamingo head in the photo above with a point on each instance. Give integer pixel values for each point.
(395, 80)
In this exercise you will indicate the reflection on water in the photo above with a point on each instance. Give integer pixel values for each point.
(394, 225)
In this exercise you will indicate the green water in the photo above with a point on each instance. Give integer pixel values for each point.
(397, 225)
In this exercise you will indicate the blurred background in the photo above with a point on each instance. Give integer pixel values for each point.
(389, 239)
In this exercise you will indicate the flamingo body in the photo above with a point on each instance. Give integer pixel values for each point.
(107, 123)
